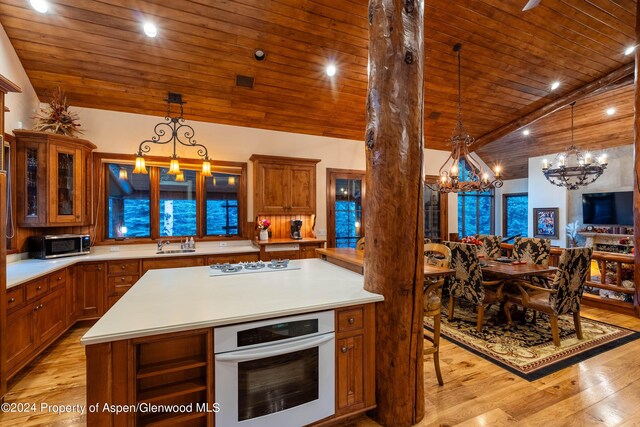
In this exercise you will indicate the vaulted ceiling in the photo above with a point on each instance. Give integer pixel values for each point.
(96, 51)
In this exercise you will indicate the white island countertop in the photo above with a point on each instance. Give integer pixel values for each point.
(173, 300)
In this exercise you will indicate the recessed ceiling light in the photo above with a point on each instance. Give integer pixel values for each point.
(629, 50)
(259, 55)
(150, 29)
(331, 70)
(611, 111)
(39, 5)
(526, 132)
(555, 85)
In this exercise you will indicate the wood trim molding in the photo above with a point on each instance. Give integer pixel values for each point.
(333, 174)
(7, 85)
(444, 208)
(282, 159)
(588, 89)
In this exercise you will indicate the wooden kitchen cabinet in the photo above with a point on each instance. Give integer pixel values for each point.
(35, 322)
(121, 276)
(53, 172)
(233, 258)
(355, 364)
(90, 288)
(177, 262)
(284, 185)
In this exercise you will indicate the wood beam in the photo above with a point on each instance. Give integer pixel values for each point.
(394, 224)
(602, 83)
(636, 186)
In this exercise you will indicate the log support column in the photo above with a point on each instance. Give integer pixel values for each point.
(394, 225)
(636, 186)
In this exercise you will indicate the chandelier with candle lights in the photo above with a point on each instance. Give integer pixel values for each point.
(476, 178)
(173, 131)
(573, 169)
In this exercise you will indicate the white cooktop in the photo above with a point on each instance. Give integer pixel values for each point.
(218, 270)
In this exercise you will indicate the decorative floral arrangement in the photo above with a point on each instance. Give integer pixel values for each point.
(470, 240)
(572, 233)
(264, 224)
(57, 118)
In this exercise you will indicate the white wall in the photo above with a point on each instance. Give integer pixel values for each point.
(509, 187)
(23, 105)
(115, 132)
(543, 194)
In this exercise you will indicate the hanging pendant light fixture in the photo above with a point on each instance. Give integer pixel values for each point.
(173, 131)
(475, 177)
(572, 168)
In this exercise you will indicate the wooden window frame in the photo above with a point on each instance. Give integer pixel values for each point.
(444, 208)
(101, 185)
(332, 175)
(12, 244)
(492, 198)
(504, 210)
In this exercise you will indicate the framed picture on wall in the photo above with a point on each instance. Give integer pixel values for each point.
(546, 223)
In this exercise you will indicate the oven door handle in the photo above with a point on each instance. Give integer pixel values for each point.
(260, 353)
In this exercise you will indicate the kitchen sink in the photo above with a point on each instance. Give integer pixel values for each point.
(176, 251)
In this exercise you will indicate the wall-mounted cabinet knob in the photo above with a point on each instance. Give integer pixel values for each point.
(38, 288)
(99, 268)
(123, 267)
(59, 278)
(122, 279)
(12, 300)
(351, 320)
(344, 349)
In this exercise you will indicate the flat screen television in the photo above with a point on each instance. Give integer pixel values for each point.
(615, 208)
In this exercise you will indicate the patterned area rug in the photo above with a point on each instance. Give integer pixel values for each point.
(527, 349)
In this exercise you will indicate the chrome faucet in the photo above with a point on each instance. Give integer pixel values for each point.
(161, 244)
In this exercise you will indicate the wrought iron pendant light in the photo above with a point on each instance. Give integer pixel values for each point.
(477, 179)
(572, 168)
(173, 131)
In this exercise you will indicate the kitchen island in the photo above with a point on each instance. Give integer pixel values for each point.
(156, 344)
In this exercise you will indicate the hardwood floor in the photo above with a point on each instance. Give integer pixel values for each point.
(603, 390)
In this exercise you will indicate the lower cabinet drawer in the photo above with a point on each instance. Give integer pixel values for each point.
(281, 255)
(350, 319)
(59, 278)
(233, 258)
(15, 298)
(155, 264)
(118, 285)
(308, 251)
(123, 267)
(37, 287)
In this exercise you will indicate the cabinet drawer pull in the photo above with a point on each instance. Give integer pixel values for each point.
(344, 349)
(12, 300)
(38, 288)
(352, 320)
(99, 268)
(122, 279)
(59, 278)
(123, 266)
(38, 307)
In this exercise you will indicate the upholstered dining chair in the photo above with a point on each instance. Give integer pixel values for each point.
(562, 295)
(467, 281)
(532, 250)
(438, 255)
(360, 245)
(490, 245)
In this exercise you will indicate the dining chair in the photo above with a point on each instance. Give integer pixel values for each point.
(467, 282)
(532, 250)
(360, 245)
(562, 295)
(491, 245)
(439, 255)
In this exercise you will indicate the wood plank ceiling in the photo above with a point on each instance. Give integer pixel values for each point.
(96, 51)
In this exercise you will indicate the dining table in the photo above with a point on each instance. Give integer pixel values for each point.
(511, 270)
(353, 260)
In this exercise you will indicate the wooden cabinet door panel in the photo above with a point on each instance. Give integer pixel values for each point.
(31, 194)
(232, 258)
(275, 188)
(281, 255)
(91, 290)
(66, 189)
(21, 340)
(349, 373)
(50, 316)
(302, 190)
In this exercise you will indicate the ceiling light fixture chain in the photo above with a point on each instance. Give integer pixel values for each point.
(476, 178)
(173, 130)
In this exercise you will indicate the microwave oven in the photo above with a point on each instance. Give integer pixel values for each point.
(47, 247)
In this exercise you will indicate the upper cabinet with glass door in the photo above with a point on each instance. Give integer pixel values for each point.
(53, 175)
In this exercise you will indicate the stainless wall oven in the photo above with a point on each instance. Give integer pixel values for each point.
(278, 372)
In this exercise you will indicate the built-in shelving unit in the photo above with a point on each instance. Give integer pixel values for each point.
(174, 370)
